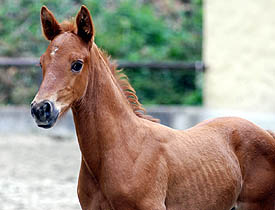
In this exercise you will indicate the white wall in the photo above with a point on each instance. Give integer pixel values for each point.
(239, 49)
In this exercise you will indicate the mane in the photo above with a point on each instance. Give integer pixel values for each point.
(122, 79)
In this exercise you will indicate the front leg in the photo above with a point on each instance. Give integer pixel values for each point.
(89, 195)
(152, 173)
(145, 189)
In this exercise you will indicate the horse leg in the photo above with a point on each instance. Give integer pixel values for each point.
(263, 205)
(255, 149)
(258, 192)
(90, 197)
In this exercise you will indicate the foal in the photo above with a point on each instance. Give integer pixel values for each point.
(130, 162)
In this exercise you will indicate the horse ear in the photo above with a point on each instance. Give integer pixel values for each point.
(85, 26)
(50, 26)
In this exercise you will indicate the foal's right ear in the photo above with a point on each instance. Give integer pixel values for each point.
(50, 26)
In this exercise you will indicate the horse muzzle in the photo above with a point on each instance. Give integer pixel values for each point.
(44, 113)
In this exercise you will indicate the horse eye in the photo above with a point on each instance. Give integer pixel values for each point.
(40, 65)
(77, 66)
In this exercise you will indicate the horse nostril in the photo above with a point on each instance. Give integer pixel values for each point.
(47, 107)
(44, 111)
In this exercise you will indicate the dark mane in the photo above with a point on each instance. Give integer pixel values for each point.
(122, 79)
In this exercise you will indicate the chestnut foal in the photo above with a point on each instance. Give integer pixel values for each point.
(130, 162)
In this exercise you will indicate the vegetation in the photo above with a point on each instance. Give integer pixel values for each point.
(127, 29)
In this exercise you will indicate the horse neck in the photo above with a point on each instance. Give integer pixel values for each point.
(104, 117)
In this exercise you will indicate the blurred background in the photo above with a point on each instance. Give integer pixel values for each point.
(188, 60)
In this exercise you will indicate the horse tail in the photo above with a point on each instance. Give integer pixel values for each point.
(271, 133)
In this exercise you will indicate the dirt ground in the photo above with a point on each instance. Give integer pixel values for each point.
(38, 173)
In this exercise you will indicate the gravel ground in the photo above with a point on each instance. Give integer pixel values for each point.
(38, 173)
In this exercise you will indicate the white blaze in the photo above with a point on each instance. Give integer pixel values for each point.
(54, 51)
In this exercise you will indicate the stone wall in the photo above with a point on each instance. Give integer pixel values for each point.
(18, 120)
(239, 50)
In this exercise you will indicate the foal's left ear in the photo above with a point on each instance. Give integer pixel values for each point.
(85, 26)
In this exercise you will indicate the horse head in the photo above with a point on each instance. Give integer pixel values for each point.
(65, 66)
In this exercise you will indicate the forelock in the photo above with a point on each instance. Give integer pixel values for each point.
(69, 25)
